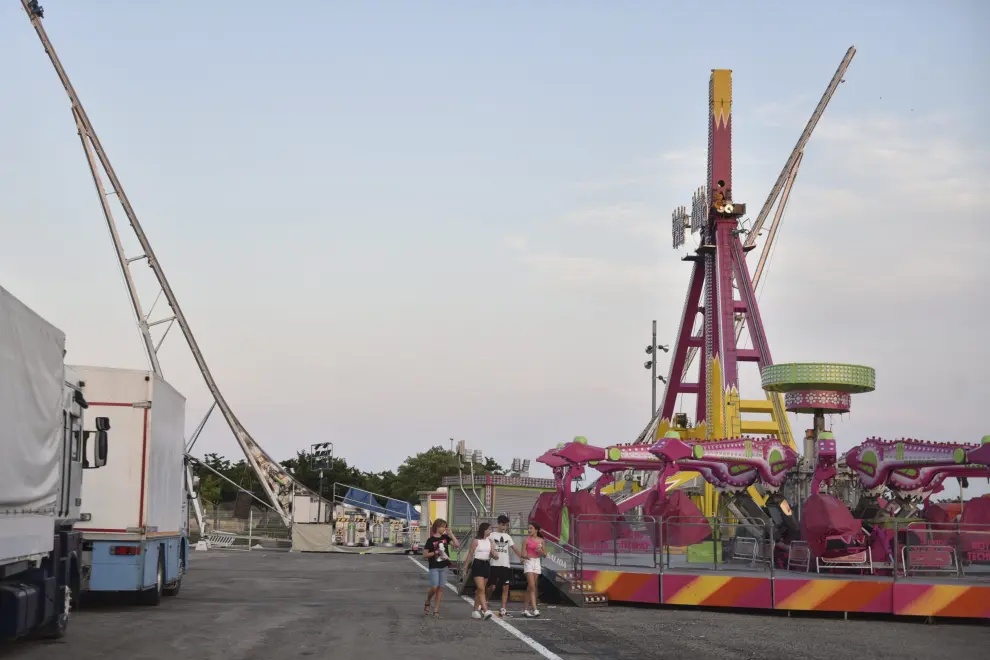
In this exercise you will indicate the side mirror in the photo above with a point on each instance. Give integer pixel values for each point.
(102, 423)
(100, 453)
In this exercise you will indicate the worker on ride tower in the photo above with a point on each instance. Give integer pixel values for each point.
(435, 552)
(501, 573)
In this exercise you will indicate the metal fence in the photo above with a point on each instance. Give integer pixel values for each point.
(261, 527)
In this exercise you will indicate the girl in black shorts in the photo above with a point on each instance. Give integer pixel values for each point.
(478, 559)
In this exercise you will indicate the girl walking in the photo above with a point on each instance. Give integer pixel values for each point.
(533, 549)
(479, 564)
(435, 552)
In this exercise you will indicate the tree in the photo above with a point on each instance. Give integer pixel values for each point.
(209, 489)
(491, 466)
(424, 471)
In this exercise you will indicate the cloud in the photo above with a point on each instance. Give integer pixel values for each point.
(791, 112)
(637, 218)
(581, 270)
(890, 207)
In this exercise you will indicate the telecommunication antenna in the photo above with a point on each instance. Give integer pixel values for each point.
(276, 481)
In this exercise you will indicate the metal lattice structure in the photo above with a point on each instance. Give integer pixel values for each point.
(277, 483)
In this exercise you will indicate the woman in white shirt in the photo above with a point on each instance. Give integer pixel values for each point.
(478, 562)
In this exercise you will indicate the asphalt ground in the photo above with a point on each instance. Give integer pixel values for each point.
(265, 605)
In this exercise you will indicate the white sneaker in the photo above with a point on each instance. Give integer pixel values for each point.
(527, 613)
(536, 613)
(486, 614)
(476, 614)
(501, 612)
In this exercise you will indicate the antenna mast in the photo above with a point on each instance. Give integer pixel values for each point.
(275, 480)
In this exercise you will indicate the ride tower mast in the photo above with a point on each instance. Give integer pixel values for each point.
(719, 269)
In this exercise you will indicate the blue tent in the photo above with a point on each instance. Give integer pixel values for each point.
(399, 509)
(362, 499)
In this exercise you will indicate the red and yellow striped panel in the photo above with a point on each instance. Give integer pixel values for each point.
(626, 587)
(833, 595)
(950, 600)
(717, 591)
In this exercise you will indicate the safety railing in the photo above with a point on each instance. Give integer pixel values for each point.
(716, 544)
(887, 549)
(939, 551)
(612, 541)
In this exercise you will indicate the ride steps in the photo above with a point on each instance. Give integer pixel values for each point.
(577, 590)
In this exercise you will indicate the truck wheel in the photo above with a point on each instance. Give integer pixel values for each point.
(173, 589)
(153, 596)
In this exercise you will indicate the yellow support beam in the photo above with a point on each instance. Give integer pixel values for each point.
(759, 427)
(756, 406)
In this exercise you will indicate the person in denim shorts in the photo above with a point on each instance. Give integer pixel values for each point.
(435, 552)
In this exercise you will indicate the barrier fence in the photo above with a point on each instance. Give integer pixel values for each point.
(225, 530)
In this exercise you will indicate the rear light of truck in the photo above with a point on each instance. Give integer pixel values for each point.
(130, 550)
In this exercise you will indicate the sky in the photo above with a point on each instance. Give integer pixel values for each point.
(394, 223)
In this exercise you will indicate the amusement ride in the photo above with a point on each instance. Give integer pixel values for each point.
(892, 529)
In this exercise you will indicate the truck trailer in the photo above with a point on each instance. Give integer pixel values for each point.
(136, 537)
(45, 448)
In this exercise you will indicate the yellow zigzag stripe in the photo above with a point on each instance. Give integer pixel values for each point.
(697, 590)
(811, 595)
(934, 600)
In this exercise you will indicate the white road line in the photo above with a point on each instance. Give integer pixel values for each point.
(512, 630)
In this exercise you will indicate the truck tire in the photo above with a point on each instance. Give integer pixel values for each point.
(173, 588)
(153, 597)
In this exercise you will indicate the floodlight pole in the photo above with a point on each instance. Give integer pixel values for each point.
(319, 453)
(653, 373)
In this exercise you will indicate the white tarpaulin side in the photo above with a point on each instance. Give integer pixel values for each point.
(32, 378)
(312, 537)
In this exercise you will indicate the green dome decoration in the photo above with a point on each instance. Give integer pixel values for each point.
(812, 376)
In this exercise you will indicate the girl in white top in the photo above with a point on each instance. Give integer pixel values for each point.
(478, 560)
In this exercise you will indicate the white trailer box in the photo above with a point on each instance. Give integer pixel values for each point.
(141, 490)
(310, 509)
(32, 381)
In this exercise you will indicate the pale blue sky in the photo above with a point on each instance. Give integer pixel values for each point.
(395, 222)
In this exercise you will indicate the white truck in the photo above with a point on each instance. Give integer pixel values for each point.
(136, 536)
(44, 448)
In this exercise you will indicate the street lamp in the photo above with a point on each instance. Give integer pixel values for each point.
(651, 364)
(322, 453)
